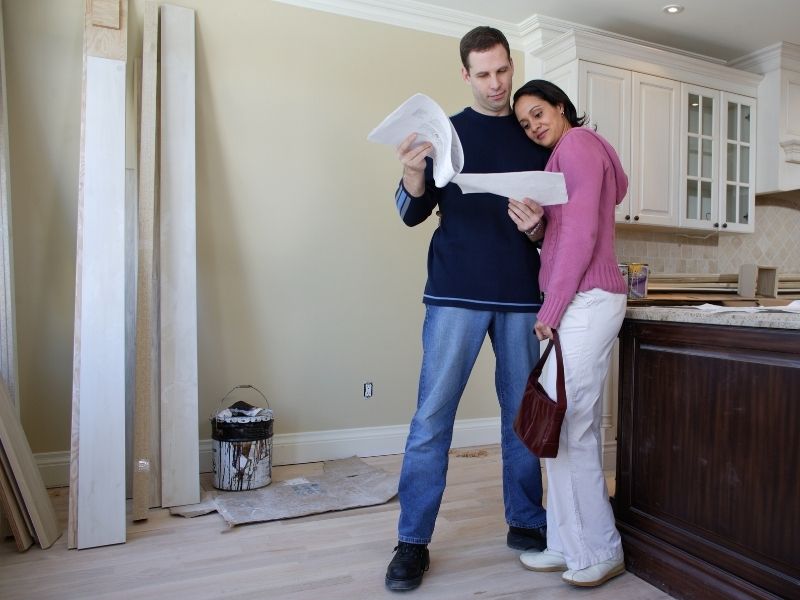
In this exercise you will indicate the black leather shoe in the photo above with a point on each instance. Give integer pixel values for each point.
(527, 539)
(407, 567)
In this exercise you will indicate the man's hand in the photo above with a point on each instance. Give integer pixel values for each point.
(413, 160)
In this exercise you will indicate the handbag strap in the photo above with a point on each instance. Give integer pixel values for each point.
(561, 391)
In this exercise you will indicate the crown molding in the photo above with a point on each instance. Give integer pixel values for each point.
(631, 54)
(540, 27)
(782, 55)
(412, 15)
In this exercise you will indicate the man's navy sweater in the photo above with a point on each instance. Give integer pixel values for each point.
(477, 258)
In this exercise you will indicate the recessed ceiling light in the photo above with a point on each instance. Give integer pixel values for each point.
(672, 9)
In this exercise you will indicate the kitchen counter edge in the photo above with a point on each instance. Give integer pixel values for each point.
(689, 314)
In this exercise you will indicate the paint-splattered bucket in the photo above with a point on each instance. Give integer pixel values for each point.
(241, 452)
(637, 280)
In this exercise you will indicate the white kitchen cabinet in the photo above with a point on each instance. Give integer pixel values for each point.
(699, 191)
(655, 148)
(778, 141)
(718, 160)
(640, 117)
(604, 95)
(675, 154)
(738, 164)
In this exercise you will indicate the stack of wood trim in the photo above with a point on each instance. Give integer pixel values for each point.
(22, 493)
(725, 283)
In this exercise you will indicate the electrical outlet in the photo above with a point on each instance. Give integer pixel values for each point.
(367, 389)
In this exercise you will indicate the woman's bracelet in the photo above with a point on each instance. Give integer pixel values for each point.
(535, 229)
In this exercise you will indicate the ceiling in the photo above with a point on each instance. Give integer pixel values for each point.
(722, 29)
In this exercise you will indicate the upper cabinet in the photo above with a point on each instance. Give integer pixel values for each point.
(778, 139)
(655, 133)
(718, 132)
(684, 128)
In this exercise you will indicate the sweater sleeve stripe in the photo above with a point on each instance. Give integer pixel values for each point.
(402, 201)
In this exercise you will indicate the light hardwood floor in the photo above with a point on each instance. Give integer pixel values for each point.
(341, 555)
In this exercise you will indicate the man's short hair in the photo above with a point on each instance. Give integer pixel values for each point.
(481, 39)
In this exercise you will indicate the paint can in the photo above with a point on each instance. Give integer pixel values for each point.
(623, 270)
(637, 280)
(241, 444)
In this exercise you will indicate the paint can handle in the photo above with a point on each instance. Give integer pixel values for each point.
(244, 386)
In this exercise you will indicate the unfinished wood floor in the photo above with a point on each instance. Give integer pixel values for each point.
(340, 555)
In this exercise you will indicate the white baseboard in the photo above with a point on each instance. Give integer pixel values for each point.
(312, 446)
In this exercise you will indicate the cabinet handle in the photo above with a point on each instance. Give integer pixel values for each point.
(716, 224)
(724, 225)
(636, 218)
(627, 217)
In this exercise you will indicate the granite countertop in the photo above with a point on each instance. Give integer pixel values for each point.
(691, 314)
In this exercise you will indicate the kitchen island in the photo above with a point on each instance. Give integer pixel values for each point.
(708, 463)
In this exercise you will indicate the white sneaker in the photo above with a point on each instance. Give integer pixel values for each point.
(596, 574)
(545, 561)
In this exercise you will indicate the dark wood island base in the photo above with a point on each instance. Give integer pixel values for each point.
(708, 463)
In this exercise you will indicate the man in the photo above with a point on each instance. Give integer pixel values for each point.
(482, 278)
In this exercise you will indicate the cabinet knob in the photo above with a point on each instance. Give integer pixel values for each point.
(716, 224)
(724, 225)
(627, 217)
(636, 218)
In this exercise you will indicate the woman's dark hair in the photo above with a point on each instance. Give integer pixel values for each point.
(552, 94)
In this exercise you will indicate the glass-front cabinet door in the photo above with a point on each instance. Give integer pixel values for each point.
(738, 167)
(699, 206)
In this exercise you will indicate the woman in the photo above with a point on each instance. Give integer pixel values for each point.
(584, 298)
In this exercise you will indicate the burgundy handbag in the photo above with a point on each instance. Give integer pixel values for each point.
(538, 421)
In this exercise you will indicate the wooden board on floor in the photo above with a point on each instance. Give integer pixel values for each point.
(25, 473)
(146, 414)
(180, 462)
(12, 508)
(5, 465)
(97, 460)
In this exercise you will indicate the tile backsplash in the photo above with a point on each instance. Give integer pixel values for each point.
(775, 243)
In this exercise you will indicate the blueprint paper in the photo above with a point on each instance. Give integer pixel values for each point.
(543, 187)
(421, 115)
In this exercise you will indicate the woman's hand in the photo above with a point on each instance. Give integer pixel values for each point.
(543, 331)
(526, 214)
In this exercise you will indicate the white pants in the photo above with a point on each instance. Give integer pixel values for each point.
(580, 522)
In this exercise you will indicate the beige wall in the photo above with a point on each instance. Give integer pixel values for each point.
(308, 282)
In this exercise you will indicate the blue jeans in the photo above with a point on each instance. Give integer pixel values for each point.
(451, 341)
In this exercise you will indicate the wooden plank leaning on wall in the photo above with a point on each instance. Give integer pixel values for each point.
(180, 456)
(97, 461)
(21, 470)
(147, 417)
(8, 329)
(9, 502)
